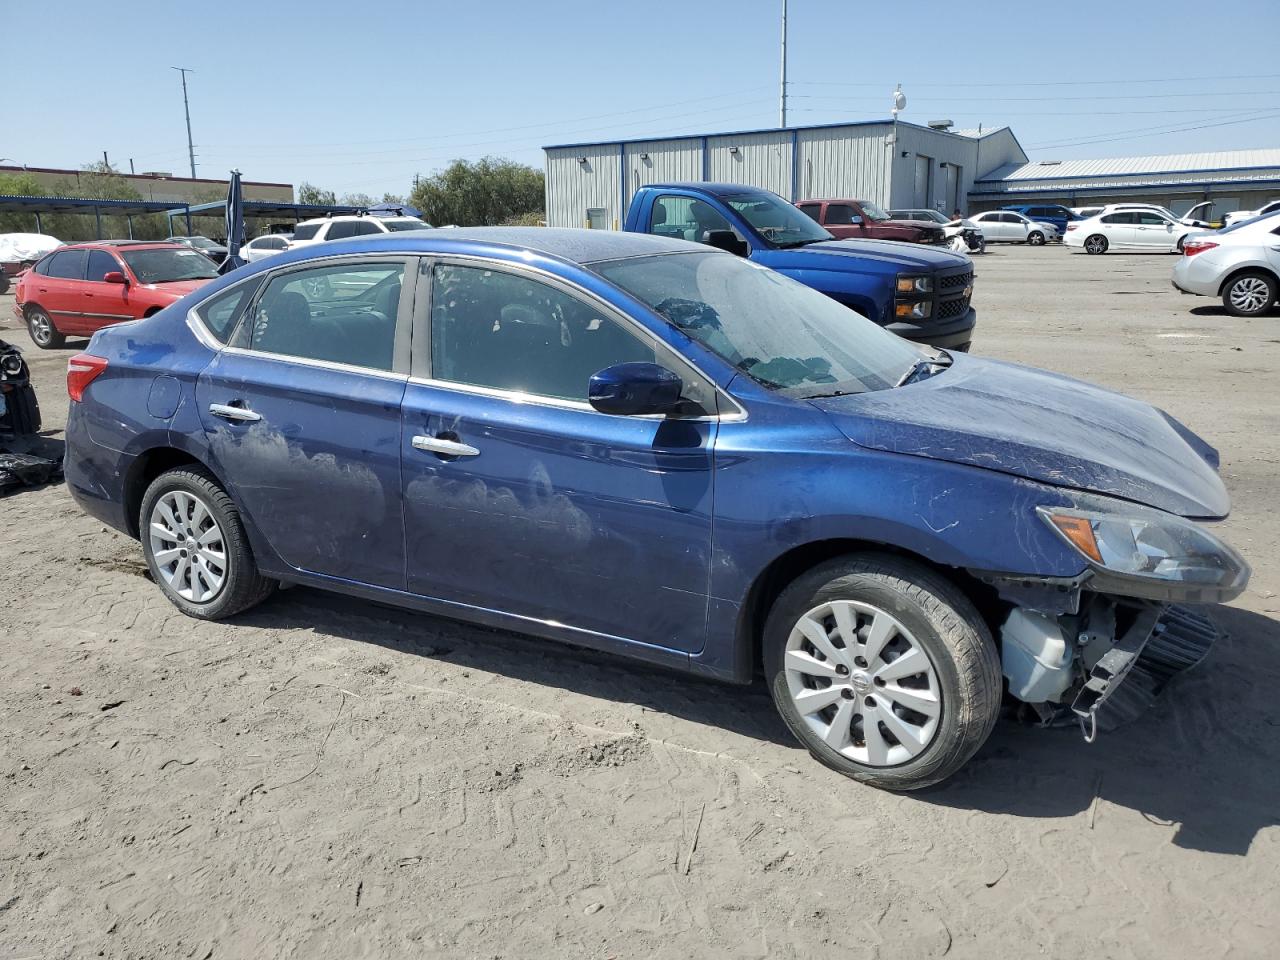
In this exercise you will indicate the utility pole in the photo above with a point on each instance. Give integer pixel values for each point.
(191, 150)
(782, 90)
(131, 170)
(106, 164)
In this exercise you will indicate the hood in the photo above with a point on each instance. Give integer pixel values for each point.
(1041, 426)
(178, 288)
(891, 253)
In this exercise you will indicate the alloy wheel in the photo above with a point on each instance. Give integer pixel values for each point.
(41, 328)
(188, 547)
(1096, 244)
(1250, 294)
(862, 683)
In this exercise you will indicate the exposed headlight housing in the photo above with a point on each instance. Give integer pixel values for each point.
(915, 284)
(1146, 553)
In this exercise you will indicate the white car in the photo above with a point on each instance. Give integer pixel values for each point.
(1238, 216)
(1005, 226)
(1144, 229)
(261, 247)
(1240, 264)
(342, 227)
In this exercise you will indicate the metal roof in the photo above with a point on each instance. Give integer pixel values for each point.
(265, 208)
(1224, 161)
(19, 204)
(742, 133)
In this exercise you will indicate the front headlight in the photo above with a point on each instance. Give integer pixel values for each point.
(915, 284)
(1153, 546)
(919, 310)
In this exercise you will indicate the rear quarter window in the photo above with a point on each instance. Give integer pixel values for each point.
(219, 313)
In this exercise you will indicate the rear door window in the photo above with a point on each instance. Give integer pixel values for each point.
(67, 265)
(306, 231)
(812, 210)
(1120, 218)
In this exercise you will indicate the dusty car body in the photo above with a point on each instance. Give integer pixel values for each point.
(649, 447)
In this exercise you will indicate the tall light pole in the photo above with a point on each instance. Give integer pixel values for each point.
(191, 150)
(782, 90)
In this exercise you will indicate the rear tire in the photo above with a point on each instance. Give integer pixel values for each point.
(1096, 244)
(43, 333)
(196, 547)
(828, 697)
(1035, 238)
(1249, 294)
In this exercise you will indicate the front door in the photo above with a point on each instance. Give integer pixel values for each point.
(303, 416)
(1154, 232)
(104, 303)
(522, 499)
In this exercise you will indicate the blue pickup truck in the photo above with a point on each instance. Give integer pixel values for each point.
(920, 293)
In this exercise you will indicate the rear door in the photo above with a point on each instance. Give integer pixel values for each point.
(302, 412)
(520, 498)
(1119, 229)
(60, 290)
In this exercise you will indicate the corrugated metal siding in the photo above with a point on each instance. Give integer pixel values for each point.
(1152, 168)
(573, 187)
(763, 160)
(954, 151)
(850, 162)
(668, 161)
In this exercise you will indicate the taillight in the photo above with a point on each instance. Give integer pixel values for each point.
(1192, 247)
(82, 370)
(1071, 226)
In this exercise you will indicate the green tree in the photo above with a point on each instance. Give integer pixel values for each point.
(19, 185)
(489, 191)
(356, 200)
(310, 193)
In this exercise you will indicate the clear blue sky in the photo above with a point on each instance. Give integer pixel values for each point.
(358, 95)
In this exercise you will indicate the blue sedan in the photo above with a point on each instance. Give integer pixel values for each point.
(649, 447)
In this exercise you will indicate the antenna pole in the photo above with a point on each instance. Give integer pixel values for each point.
(186, 107)
(782, 89)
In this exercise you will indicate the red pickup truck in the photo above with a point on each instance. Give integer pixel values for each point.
(863, 219)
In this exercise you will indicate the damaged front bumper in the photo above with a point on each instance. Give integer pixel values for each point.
(1077, 655)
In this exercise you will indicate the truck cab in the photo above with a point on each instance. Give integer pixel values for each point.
(921, 293)
(847, 219)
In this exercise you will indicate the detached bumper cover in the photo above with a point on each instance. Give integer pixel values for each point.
(1130, 676)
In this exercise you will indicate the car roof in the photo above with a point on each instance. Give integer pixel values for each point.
(357, 216)
(87, 244)
(715, 189)
(575, 245)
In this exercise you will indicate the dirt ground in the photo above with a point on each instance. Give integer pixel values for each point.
(326, 778)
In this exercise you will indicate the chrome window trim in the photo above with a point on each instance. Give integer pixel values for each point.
(197, 325)
(736, 411)
(321, 364)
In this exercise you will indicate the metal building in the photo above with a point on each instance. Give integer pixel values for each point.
(1231, 179)
(894, 165)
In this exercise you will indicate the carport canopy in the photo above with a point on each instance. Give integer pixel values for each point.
(261, 210)
(85, 205)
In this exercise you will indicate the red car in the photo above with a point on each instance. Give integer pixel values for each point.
(862, 218)
(83, 287)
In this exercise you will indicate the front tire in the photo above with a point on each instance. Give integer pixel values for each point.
(1250, 294)
(883, 670)
(1035, 238)
(43, 333)
(1096, 244)
(196, 547)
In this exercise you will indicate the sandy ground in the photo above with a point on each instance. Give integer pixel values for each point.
(326, 778)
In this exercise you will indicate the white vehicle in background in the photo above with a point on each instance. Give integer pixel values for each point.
(1240, 264)
(963, 235)
(1185, 220)
(262, 247)
(1006, 226)
(1086, 212)
(1239, 216)
(1145, 230)
(309, 232)
(19, 251)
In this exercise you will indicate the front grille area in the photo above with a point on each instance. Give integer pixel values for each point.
(955, 280)
(952, 308)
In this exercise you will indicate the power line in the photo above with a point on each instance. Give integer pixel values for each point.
(1152, 131)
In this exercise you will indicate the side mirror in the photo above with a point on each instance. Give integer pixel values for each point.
(855, 220)
(634, 389)
(115, 276)
(726, 240)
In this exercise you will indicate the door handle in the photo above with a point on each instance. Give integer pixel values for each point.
(228, 412)
(450, 448)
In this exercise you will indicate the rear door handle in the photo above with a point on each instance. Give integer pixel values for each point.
(450, 448)
(228, 412)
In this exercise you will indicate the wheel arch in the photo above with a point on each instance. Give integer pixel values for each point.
(795, 562)
(1247, 268)
(145, 468)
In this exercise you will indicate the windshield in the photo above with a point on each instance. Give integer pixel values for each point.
(408, 223)
(168, 266)
(204, 243)
(779, 332)
(873, 212)
(778, 221)
(1252, 222)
